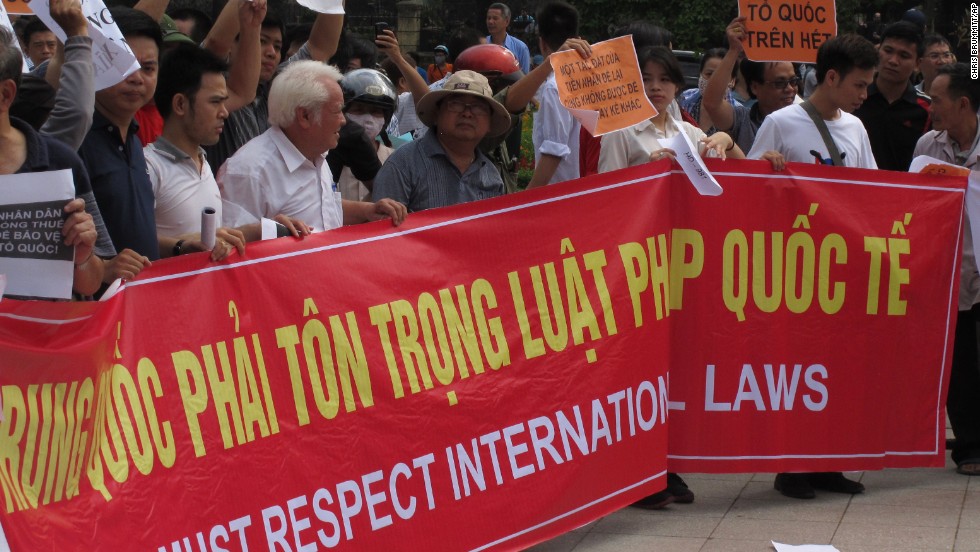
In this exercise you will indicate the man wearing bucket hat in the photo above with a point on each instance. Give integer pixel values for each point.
(446, 166)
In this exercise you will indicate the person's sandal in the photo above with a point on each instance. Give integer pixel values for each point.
(970, 466)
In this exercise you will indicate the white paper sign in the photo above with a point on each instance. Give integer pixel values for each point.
(692, 164)
(5, 21)
(803, 547)
(33, 255)
(324, 6)
(920, 163)
(111, 56)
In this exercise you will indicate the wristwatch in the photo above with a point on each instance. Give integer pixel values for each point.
(178, 247)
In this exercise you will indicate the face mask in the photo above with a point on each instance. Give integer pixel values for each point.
(440, 60)
(372, 123)
(702, 84)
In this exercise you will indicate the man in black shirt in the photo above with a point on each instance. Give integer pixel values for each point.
(895, 114)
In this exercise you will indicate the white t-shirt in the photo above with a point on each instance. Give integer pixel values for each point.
(268, 176)
(791, 132)
(633, 145)
(180, 192)
(556, 133)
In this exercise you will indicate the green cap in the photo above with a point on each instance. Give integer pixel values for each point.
(171, 33)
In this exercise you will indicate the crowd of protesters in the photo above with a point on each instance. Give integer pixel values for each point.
(258, 123)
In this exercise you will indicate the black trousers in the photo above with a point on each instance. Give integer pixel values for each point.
(963, 397)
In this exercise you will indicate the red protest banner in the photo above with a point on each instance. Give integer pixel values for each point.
(800, 326)
(374, 386)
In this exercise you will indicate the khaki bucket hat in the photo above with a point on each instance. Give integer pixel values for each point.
(469, 83)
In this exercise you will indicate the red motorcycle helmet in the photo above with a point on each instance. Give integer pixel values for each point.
(493, 61)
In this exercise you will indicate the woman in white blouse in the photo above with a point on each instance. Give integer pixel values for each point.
(640, 143)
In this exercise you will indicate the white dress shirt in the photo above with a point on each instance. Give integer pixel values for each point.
(633, 145)
(556, 133)
(268, 176)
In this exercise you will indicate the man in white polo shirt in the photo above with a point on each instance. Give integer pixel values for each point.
(191, 98)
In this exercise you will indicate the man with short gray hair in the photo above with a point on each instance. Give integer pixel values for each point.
(283, 169)
(955, 139)
(498, 19)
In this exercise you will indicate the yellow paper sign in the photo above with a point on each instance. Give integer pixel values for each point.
(787, 30)
(605, 91)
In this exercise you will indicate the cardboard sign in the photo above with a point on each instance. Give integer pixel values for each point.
(18, 7)
(5, 22)
(787, 30)
(604, 92)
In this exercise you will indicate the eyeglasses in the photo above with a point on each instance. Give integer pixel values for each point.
(480, 109)
(781, 84)
(936, 56)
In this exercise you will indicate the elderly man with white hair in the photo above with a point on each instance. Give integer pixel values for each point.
(283, 170)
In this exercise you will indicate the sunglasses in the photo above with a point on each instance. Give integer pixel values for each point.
(480, 109)
(781, 84)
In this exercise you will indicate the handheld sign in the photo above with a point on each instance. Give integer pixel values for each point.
(787, 30)
(17, 7)
(111, 56)
(925, 164)
(604, 92)
(33, 254)
(335, 7)
(690, 161)
(5, 22)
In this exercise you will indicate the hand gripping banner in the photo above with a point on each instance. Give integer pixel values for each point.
(490, 375)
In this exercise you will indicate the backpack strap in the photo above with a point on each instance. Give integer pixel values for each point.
(835, 155)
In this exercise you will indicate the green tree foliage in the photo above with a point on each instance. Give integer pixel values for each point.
(696, 24)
